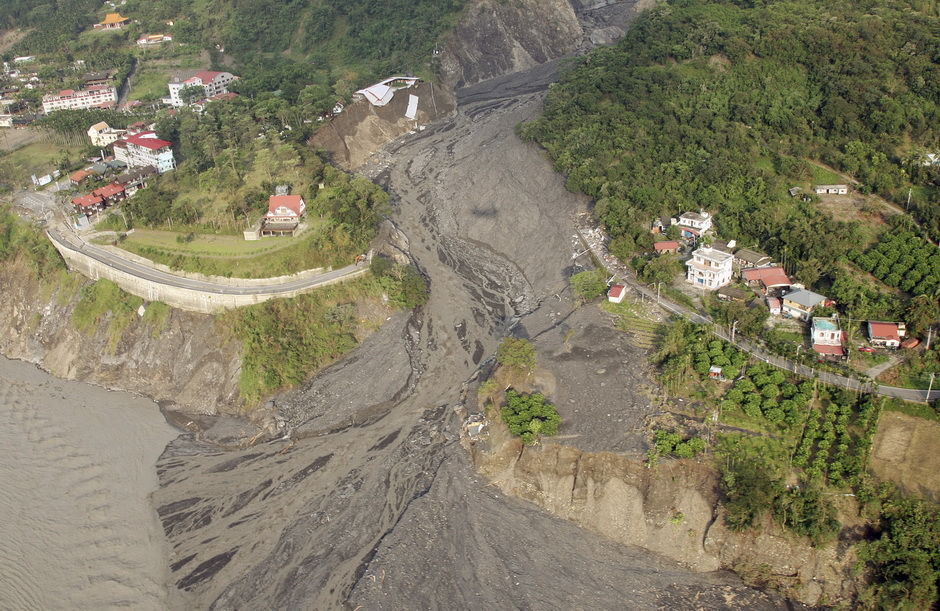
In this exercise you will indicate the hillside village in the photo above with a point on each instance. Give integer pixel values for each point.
(745, 288)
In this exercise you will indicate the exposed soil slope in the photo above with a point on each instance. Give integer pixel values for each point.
(187, 363)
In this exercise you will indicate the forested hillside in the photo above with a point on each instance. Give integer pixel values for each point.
(274, 45)
(723, 105)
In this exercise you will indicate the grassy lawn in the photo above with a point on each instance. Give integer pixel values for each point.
(823, 176)
(37, 158)
(149, 85)
(232, 256)
(205, 245)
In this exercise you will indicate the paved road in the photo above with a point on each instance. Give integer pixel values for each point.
(154, 275)
(907, 394)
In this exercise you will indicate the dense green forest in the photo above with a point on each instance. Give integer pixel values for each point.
(723, 105)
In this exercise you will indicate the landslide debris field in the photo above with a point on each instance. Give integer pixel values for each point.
(373, 501)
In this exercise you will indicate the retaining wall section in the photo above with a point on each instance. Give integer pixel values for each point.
(193, 300)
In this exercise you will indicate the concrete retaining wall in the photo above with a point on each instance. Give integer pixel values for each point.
(193, 300)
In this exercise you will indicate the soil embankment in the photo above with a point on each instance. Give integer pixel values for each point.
(671, 509)
(186, 362)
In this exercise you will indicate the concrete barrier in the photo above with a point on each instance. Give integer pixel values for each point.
(206, 299)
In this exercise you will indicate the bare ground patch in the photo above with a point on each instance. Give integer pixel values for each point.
(905, 453)
(9, 38)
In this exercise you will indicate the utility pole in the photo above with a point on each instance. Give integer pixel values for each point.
(734, 328)
(929, 388)
(929, 335)
(659, 284)
(908, 205)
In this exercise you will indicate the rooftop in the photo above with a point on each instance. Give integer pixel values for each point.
(828, 349)
(768, 276)
(112, 18)
(713, 254)
(291, 202)
(884, 330)
(751, 256)
(807, 299)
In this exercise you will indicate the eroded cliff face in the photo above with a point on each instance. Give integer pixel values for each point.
(498, 37)
(185, 364)
(495, 37)
(671, 509)
(362, 128)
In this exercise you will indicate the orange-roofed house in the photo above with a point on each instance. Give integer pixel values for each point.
(77, 177)
(112, 21)
(87, 204)
(766, 278)
(668, 246)
(887, 334)
(110, 193)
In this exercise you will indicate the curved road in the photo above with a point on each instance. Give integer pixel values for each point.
(160, 277)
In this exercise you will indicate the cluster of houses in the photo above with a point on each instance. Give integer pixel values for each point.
(714, 267)
(121, 187)
(830, 341)
(137, 150)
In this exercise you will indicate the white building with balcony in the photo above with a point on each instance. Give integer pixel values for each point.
(212, 84)
(145, 149)
(98, 95)
(709, 268)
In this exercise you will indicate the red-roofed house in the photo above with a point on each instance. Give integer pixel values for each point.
(284, 212)
(87, 203)
(828, 338)
(667, 246)
(77, 177)
(143, 149)
(110, 193)
(766, 278)
(285, 208)
(887, 334)
(212, 83)
(616, 293)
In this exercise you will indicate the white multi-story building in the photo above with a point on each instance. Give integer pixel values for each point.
(143, 149)
(709, 268)
(212, 83)
(99, 95)
(102, 134)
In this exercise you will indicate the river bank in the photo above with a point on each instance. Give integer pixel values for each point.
(77, 529)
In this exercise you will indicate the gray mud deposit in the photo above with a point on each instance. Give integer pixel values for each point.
(77, 530)
(372, 501)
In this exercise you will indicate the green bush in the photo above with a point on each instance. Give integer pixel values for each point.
(516, 353)
(529, 416)
(588, 285)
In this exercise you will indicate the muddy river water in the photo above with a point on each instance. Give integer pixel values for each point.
(77, 529)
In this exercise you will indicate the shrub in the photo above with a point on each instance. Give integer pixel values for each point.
(516, 353)
(588, 285)
(529, 415)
